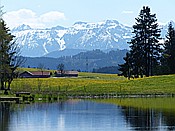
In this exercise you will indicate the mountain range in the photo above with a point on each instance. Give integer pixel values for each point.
(81, 36)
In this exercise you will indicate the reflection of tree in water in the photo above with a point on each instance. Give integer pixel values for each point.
(169, 120)
(148, 119)
(4, 116)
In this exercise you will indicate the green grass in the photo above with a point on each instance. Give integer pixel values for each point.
(98, 83)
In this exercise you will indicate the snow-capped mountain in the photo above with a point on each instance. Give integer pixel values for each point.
(81, 35)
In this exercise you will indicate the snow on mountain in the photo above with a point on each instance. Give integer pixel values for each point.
(22, 28)
(81, 35)
(102, 35)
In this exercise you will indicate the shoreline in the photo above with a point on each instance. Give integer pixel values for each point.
(51, 97)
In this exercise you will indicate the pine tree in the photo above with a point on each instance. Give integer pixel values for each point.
(136, 56)
(147, 37)
(9, 57)
(169, 50)
(144, 46)
(126, 68)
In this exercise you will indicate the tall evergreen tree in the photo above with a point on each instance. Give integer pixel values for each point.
(169, 50)
(9, 56)
(144, 46)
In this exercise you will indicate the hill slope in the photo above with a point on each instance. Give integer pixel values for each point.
(84, 61)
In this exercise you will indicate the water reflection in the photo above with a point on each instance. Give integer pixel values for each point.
(148, 113)
(142, 119)
(4, 116)
(74, 115)
(149, 119)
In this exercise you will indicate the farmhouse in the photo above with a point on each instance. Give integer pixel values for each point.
(66, 73)
(35, 74)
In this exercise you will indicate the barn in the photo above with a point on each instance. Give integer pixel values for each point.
(35, 74)
(66, 74)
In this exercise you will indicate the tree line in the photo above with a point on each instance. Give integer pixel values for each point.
(148, 56)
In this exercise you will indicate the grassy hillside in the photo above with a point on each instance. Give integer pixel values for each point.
(95, 83)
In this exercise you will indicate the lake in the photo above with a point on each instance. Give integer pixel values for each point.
(83, 115)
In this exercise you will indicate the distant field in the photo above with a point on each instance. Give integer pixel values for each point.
(97, 83)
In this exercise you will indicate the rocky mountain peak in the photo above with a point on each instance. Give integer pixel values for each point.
(22, 28)
(81, 35)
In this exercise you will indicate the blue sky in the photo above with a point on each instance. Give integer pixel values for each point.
(48, 13)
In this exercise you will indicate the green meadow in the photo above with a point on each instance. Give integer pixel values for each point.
(95, 83)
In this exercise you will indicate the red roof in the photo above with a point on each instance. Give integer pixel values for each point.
(67, 72)
(35, 74)
(39, 73)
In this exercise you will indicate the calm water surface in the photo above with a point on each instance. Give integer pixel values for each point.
(81, 115)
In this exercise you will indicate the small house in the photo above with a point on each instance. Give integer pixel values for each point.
(66, 74)
(35, 74)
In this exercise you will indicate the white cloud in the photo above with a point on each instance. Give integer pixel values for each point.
(127, 12)
(28, 17)
(52, 16)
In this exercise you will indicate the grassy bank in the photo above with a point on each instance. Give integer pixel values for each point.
(93, 83)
